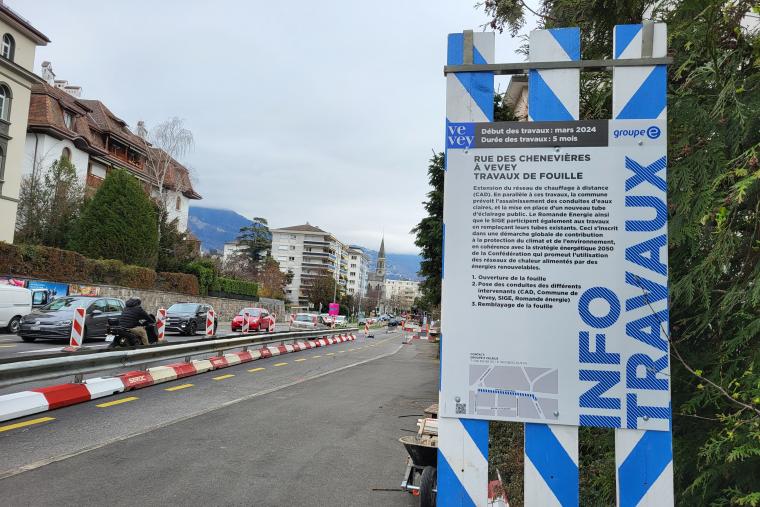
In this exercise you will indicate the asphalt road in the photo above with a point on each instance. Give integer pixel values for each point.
(318, 427)
(11, 345)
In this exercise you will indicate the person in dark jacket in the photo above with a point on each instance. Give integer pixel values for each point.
(130, 319)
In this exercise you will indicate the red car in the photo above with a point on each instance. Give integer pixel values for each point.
(258, 320)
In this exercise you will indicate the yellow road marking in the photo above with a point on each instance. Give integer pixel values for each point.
(330, 354)
(7, 346)
(116, 402)
(315, 357)
(177, 388)
(302, 359)
(222, 377)
(26, 423)
(254, 370)
(280, 364)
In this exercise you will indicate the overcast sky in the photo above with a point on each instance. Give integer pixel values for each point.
(325, 112)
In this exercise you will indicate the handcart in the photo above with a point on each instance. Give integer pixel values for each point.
(421, 475)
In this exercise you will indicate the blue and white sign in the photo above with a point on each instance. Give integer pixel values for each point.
(556, 274)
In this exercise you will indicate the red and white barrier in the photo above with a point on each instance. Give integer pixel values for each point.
(246, 325)
(273, 323)
(210, 318)
(161, 324)
(77, 328)
(43, 399)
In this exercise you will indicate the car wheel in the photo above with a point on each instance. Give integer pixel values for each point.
(28, 339)
(14, 325)
(192, 328)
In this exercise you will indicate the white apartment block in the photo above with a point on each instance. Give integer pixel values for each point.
(400, 294)
(358, 271)
(307, 252)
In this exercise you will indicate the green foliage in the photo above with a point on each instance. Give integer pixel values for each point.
(36, 261)
(49, 204)
(321, 291)
(429, 236)
(257, 240)
(238, 287)
(206, 271)
(174, 249)
(119, 222)
(714, 200)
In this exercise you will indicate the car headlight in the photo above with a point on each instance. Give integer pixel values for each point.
(63, 323)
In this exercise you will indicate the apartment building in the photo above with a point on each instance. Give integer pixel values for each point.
(358, 271)
(17, 48)
(400, 294)
(308, 252)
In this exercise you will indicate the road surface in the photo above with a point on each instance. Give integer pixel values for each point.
(317, 427)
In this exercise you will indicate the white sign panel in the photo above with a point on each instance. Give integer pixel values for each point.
(555, 274)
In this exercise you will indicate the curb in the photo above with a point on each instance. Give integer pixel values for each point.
(43, 399)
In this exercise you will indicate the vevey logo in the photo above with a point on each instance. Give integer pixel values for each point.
(460, 135)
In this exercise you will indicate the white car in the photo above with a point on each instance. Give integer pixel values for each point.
(340, 321)
(304, 322)
(15, 302)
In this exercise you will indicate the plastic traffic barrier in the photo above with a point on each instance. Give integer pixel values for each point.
(161, 324)
(210, 318)
(77, 328)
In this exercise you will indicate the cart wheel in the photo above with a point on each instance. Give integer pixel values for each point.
(428, 483)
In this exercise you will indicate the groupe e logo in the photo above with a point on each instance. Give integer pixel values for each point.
(652, 132)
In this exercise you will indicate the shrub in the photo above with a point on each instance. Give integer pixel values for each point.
(178, 282)
(239, 287)
(206, 272)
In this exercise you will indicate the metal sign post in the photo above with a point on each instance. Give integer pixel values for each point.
(555, 239)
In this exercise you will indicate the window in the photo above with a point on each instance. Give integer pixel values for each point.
(179, 203)
(291, 258)
(68, 120)
(66, 154)
(282, 247)
(114, 305)
(292, 247)
(9, 46)
(5, 102)
(100, 304)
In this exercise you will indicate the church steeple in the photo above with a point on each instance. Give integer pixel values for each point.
(380, 269)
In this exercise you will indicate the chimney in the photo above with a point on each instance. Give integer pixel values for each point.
(47, 72)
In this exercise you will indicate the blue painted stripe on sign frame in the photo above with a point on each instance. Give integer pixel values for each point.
(456, 495)
(570, 41)
(624, 34)
(551, 460)
(478, 431)
(650, 456)
(543, 104)
(649, 100)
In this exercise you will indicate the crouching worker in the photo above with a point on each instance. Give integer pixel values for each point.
(131, 319)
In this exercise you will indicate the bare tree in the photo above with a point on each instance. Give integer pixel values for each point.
(166, 143)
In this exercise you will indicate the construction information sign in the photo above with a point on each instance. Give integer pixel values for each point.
(555, 287)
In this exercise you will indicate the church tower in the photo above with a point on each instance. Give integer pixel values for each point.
(380, 269)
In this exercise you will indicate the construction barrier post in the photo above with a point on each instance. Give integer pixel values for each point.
(245, 327)
(77, 328)
(210, 318)
(161, 324)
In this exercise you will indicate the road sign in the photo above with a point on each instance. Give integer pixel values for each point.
(161, 324)
(210, 318)
(77, 328)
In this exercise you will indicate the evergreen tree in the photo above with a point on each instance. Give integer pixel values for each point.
(174, 249)
(429, 236)
(257, 240)
(119, 222)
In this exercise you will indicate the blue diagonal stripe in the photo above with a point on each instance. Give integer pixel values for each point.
(478, 431)
(649, 100)
(570, 40)
(543, 104)
(448, 482)
(551, 460)
(643, 466)
(624, 34)
(480, 87)
(455, 51)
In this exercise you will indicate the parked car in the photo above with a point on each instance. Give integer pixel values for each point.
(187, 318)
(258, 320)
(306, 322)
(15, 302)
(326, 319)
(53, 321)
(341, 321)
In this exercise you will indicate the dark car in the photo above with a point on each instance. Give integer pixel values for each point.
(187, 318)
(53, 321)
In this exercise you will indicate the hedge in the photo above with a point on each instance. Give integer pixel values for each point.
(58, 265)
(233, 286)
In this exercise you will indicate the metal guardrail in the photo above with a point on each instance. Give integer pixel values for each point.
(79, 364)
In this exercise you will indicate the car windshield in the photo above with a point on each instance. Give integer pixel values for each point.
(303, 317)
(62, 303)
(340, 317)
(253, 312)
(182, 308)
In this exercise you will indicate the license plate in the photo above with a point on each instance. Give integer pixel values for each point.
(109, 338)
(35, 328)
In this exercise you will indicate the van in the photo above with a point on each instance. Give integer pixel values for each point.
(15, 302)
